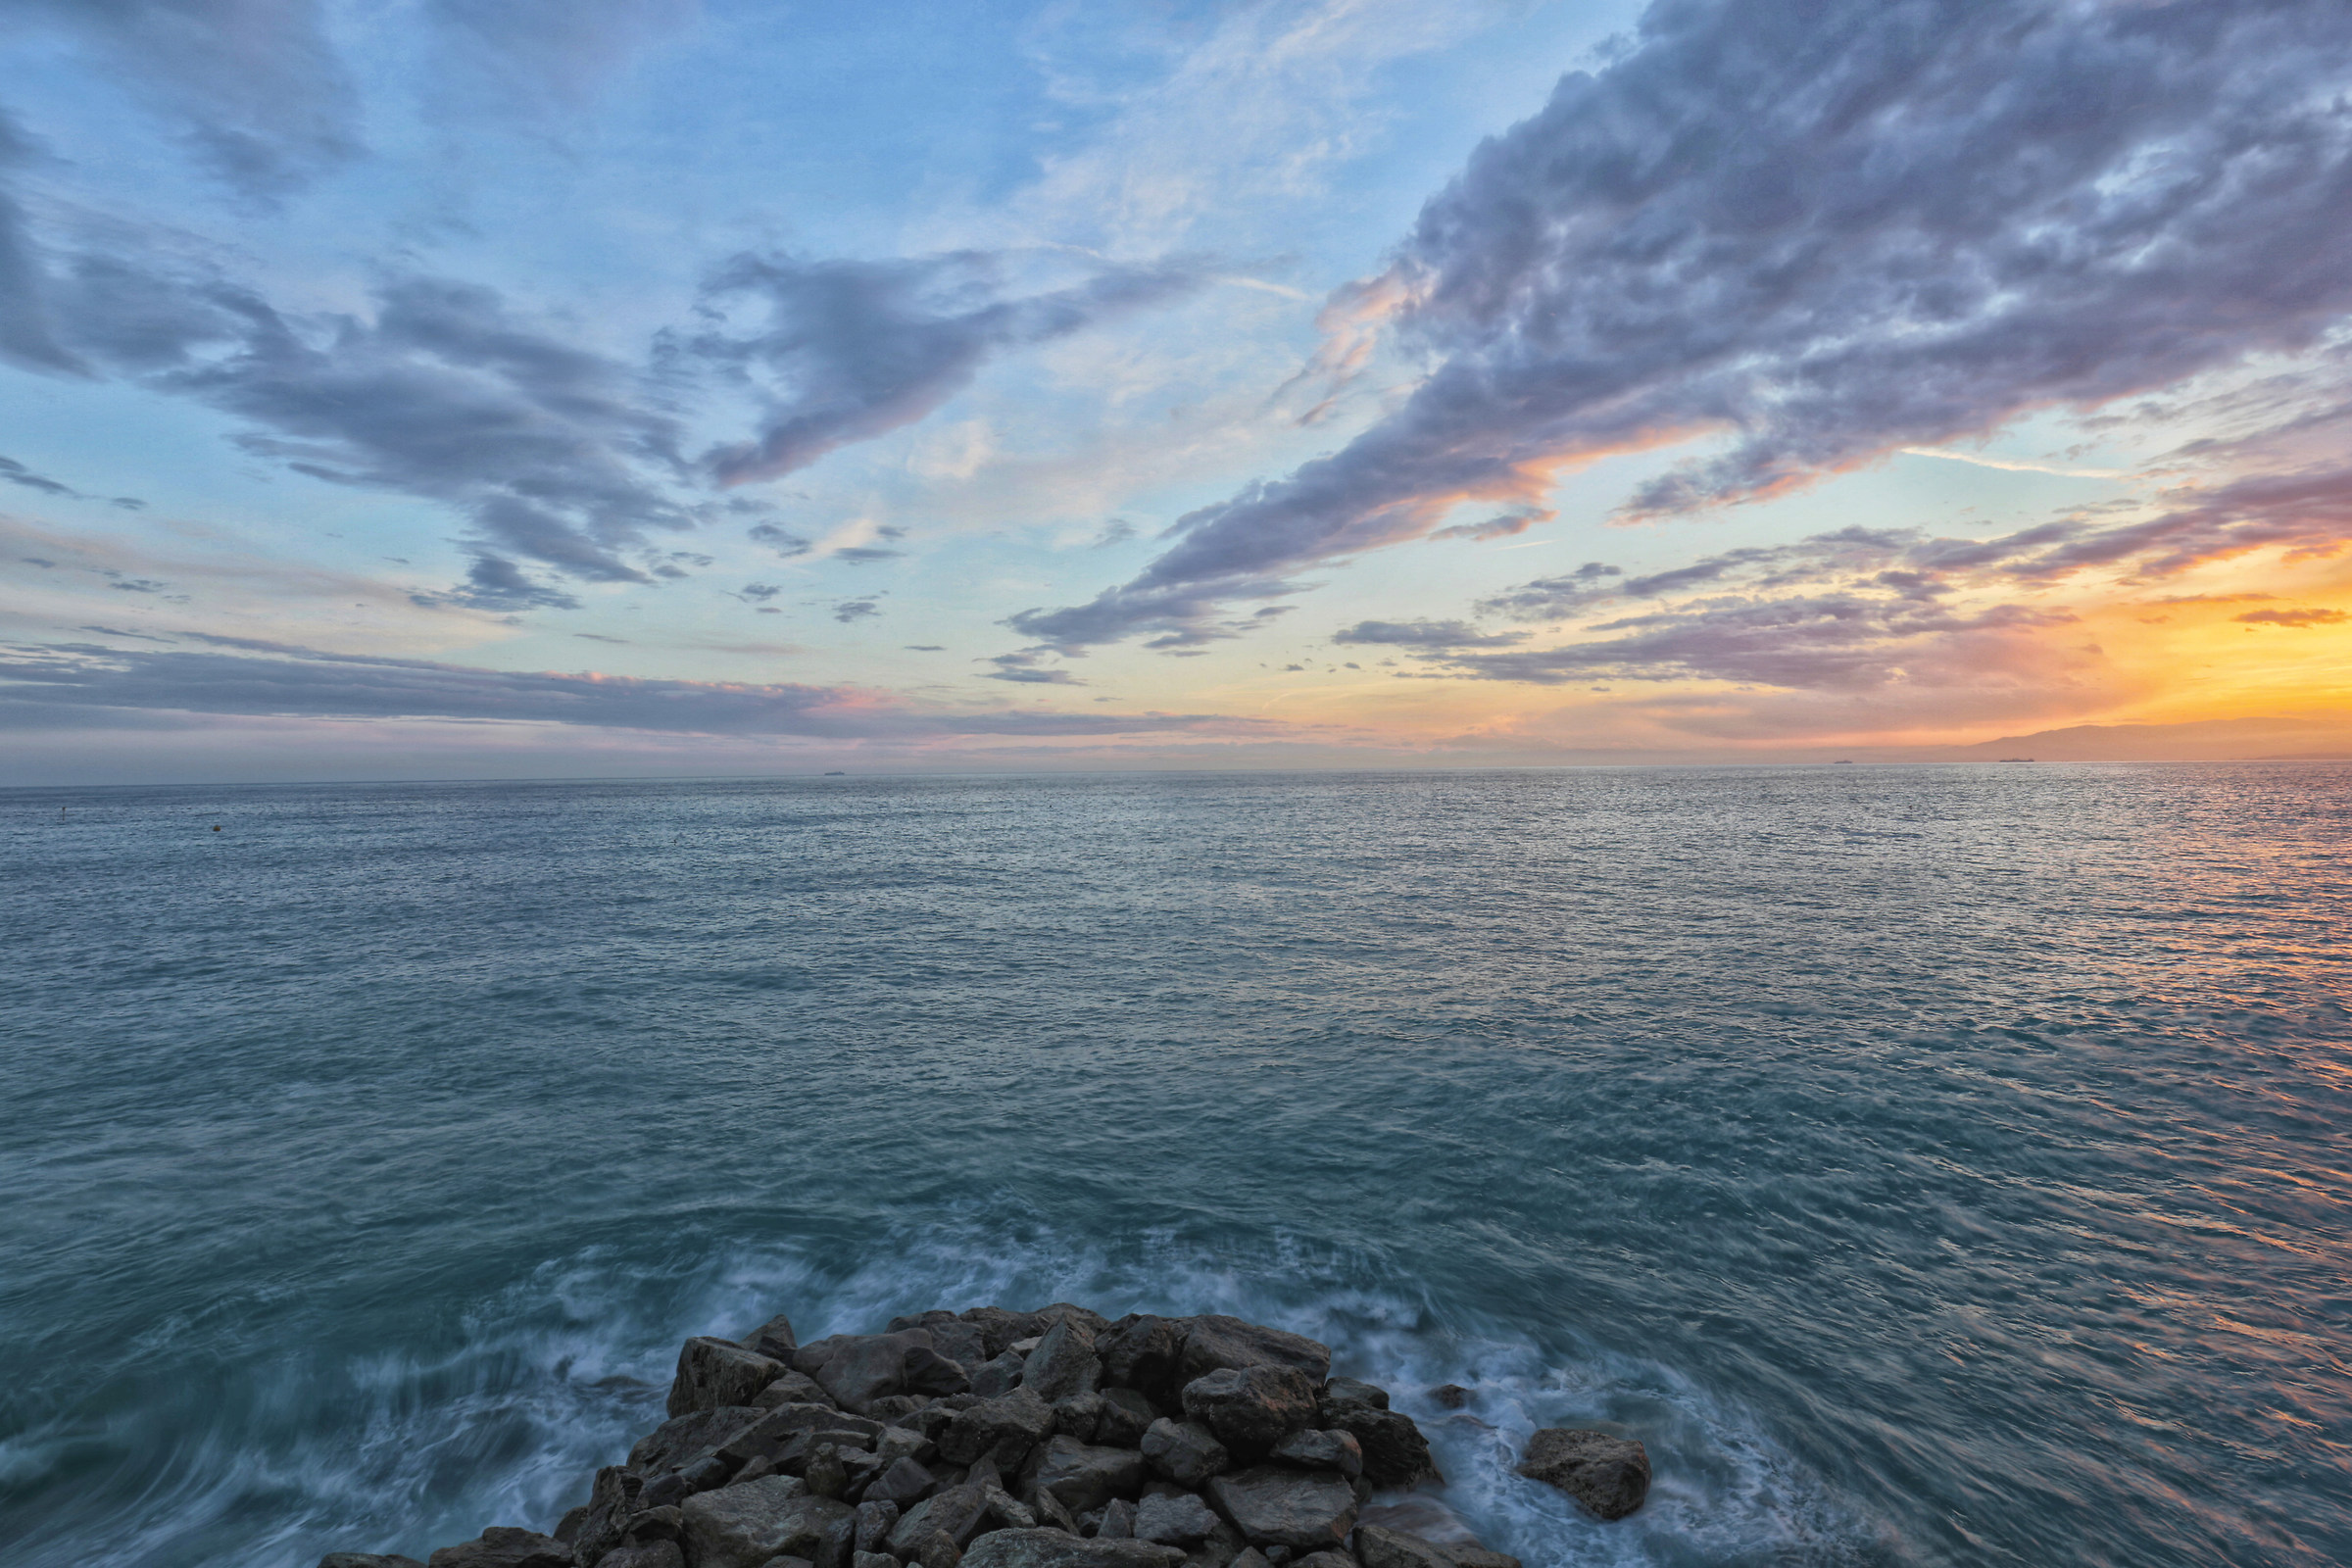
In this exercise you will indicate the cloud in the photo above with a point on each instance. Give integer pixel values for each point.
(851, 350)
(565, 49)
(2293, 617)
(851, 610)
(16, 472)
(1833, 229)
(52, 683)
(1023, 668)
(1424, 634)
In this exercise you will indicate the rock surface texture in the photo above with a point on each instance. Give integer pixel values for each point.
(1004, 1439)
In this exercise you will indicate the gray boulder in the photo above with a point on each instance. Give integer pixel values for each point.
(999, 1328)
(1252, 1558)
(1468, 1557)
(992, 1380)
(650, 1554)
(904, 1483)
(1063, 1363)
(682, 1440)
(937, 1550)
(1315, 1448)
(1214, 1343)
(1252, 1408)
(1003, 1430)
(504, 1547)
(1054, 1548)
(1324, 1559)
(857, 1369)
(791, 1387)
(1082, 1476)
(787, 1435)
(1181, 1520)
(1608, 1474)
(1273, 1505)
(1145, 1353)
(1185, 1451)
(772, 1339)
(1340, 1391)
(1217, 1549)
(743, 1527)
(714, 1372)
(1378, 1547)
(1125, 1416)
(875, 1517)
(955, 1513)
(1078, 1416)
(875, 1560)
(1396, 1455)
(367, 1559)
(1118, 1520)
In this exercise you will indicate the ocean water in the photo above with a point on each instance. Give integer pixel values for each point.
(1932, 1165)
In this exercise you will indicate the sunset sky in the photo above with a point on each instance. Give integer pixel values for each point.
(439, 388)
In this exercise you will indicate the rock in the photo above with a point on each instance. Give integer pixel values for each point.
(954, 1514)
(367, 1559)
(1065, 1363)
(790, 1432)
(999, 1328)
(1278, 1556)
(1252, 1558)
(1396, 1455)
(893, 1408)
(504, 1547)
(984, 1473)
(1177, 1521)
(1049, 1512)
(875, 1516)
(1450, 1395)
(1319, 1449)
(1609, 1475)
(875, 1560)
(654, 1524)
(772, 1339)
(857, 1369)
(682, 1440)
(1185, 1451)
(743, 1527)
(1307, 1510)
(1006, 1511)
(1078, 1415)
(1004, 1429)
(904, 1443)
(650, 1554)
(1252, 1408)
(791, 1387)
(1094, 1321)
(1350, 1390)
(1125, 1416)
(1324, 1559)
(825, 1474)
(712, 1373)
(1214, 1343)
(1217, 1549)
(1377, 1546)
(678, 1486)
(995, 1379)
(1053, 1548)
(1145, 1353)
(1118, 1520)
(965, 1344)
(1084, 1476)
(1478, 1557)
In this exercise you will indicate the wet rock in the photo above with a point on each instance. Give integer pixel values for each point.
(1145, 1353)
(1003, 1430)
(1468, 1557)
(875, 1516)
(1273, 1505)
(1377, 1546)
(367, 1559)
(787, 1435)
(857, 1369)
(999, 1328)
(1118, 1520)
(1316, 1448)
(651, 1554)
(1252, 1408)
(1450, 1395)
(1083, 1475)
(1054, 1548)
(1608, 1474)
(679, 1485)
(682, 1440)
(1123, 1419)
(743, 1527)
(1396, 1455)
(1181, 1520)
(772, 1339)
(504, 1547)
(992, 1380)
(1078, 1415)
(790, 1388)
(1094, 1321)
(1065, 1363)
(965, 1344)
(954, 1514)
(713, 1373)
(1185, 1451)
(1343, 1392)
(1214, 1343)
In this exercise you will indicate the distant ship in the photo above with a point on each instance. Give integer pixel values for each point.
(837, 774)
(2017, 759)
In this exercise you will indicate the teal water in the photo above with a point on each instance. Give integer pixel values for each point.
(1932, 1165)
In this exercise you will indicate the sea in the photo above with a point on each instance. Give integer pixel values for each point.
(1939, 1165)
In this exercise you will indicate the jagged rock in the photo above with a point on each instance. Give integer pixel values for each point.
(1125, 1416)
(1278, 1556)
(743, 1527)
(1316, 1448)
(1217, 1549)
(791, 1387)
(992, 1380)
(1478, 1557)
(984, 1473)
(1003, 1430)
(1215, 1342)
(367, 1559)
(1252, 1408)
(893, 1408)
(1250, 1558)
(1006, 1511)
(682, 1440)
(504, 1547)
(875, 1560)
(1324, 1559)
(1185, 1451)
(1177, 1521)
(1065, 1363)
(654, 1524)
(1145, 1353)
(790, 1432)
(1053, 1548)
(1118, 1520)
(648, 1555)
(965, 1344)
(904, 1443)
(772, 1339)
(999, 1328)
(954, 1514)
(1351, 1391)
(1608, 1474)
(1078, 1415)
(1084, 1476)
(1094, 1321)
(678, 1486)
(825, 1474)
(1450, 1395)
(1378, 1547)
(1396, 1455)
(875, 1516)
(857, 1369)
(714, 1372)
(933, 1418)
(1272, 1505)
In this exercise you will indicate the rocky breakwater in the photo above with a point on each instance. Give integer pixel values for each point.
(995, 1438)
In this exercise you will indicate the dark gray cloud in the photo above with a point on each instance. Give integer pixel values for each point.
(851, 350)
(1831, 228)
(16, 474)
(52, 683)
(1424, 634)
(1025, 669)
(851, 610)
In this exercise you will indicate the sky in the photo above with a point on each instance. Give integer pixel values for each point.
(493, 388)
